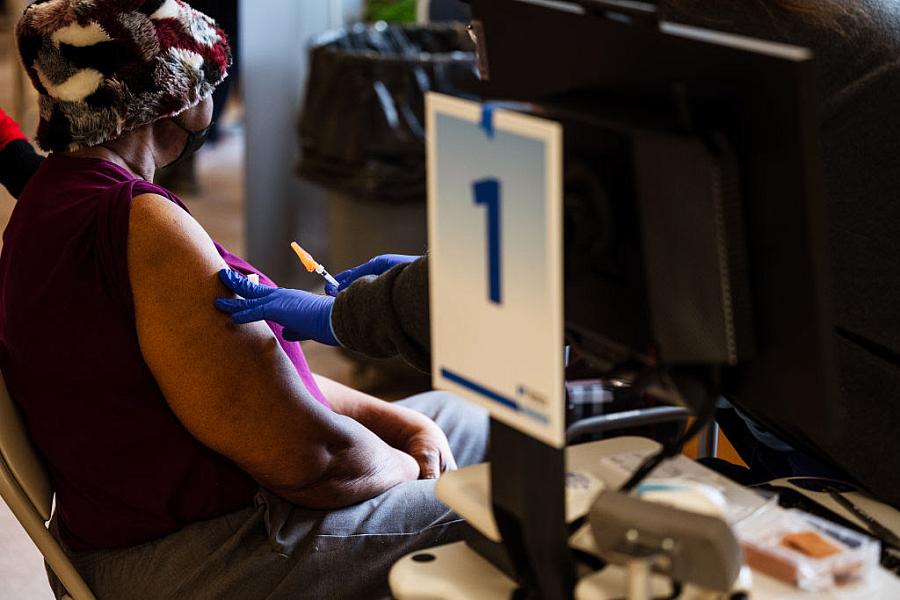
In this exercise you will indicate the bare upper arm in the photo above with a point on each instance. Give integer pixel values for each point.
(231, 386)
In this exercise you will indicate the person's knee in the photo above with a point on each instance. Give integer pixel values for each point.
(445, 405)
(462, 412)
(427, 403)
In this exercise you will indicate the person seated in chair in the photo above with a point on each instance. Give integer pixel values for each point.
(191, 458)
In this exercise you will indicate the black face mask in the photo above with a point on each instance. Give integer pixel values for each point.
(195, 141)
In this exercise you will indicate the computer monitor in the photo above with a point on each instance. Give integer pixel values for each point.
(695, 213)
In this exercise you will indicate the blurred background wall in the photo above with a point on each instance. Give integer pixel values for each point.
(279, 207)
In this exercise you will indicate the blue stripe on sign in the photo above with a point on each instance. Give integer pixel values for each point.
(492, 395)
(480, 389)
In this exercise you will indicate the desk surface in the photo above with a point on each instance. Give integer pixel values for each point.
(459, 573)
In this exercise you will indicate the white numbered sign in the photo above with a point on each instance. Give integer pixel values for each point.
(495, 237)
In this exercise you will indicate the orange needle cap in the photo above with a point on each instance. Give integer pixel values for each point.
(305, 257)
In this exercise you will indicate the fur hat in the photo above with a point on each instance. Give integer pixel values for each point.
(106, 67)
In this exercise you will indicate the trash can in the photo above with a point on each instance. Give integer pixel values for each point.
(362, 130)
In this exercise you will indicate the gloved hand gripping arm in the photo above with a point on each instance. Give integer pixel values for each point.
(305, 316)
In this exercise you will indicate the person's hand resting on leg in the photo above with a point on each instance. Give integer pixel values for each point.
(400, 427)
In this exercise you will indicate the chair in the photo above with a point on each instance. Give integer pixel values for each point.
(25, 487)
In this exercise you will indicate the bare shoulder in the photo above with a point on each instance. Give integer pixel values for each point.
(159, 231)
(172, 266)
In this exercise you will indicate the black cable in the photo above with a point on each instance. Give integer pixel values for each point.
(577, 524)
(705, 412)
(875, 528)
(594, 563)
(677, 589)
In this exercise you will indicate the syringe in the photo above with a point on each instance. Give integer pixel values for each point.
(312, 266)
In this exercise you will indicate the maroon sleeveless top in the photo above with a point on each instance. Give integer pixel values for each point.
(124, 469)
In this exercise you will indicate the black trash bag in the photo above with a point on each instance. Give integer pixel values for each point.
(362, 130)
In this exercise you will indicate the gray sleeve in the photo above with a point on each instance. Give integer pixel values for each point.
(388, 315)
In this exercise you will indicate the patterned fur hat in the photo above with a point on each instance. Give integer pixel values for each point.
(106, 67)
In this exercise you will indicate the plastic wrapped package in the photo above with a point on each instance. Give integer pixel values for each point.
(810, 553)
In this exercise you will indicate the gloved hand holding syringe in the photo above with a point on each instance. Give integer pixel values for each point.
(376, 266)
(311, 265)
(305, 316)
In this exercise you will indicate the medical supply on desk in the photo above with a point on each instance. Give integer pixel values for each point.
(740, 502)
(810, 553)
(792, 546)
(311, 265)
(685, 495)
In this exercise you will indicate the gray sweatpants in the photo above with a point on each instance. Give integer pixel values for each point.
(276, 550)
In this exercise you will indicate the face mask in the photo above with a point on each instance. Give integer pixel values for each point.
(195, 141)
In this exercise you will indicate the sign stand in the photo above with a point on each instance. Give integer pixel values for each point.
(532, 518)
(495, 232)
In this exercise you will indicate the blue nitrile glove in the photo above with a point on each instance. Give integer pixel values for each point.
(376, 266)
(304, 316)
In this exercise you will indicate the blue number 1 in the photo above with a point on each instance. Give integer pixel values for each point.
(487, 193)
